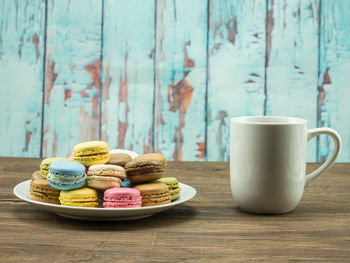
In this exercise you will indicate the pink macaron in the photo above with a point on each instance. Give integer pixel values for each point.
(122, 198)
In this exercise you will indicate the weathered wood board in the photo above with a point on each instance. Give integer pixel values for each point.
(333, 82)
(128, 74)
(167, 76)
(236, 68)
(181, 51)
(22, 34)
(72, 75)
(210, 228)
(292, 61)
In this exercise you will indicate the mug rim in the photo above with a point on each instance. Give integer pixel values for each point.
(268, 120)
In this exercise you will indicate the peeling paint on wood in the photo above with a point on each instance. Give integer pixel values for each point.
(22, 30)
(236, 68)
(160, 47)
(291, 74)
(201, 150)
(50, 77)
(128, 74)
(148, 144)
(333, 82)
(72, 83)
(180, 78)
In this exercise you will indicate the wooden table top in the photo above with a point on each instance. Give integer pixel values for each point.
(209, 228)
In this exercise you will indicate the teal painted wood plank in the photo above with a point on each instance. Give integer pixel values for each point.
(128, 74)
(72, 83)
(236, 68)
(334, 92)
(292, 62)
(22, 29)
(181, 79)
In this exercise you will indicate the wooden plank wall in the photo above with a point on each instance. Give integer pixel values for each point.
(292, 61)
(334, 68)
(236, 70)
(167, 76)
(72, 75)
(181, 52)
(22, 34)
(128, 74)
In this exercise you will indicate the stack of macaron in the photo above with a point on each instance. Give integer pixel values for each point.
(95, 176)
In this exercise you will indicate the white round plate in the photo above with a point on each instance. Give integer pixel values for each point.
(21, 190)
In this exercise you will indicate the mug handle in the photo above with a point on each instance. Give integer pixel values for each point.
(328, 163)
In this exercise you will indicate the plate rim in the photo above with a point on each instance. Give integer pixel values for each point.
(177, 202)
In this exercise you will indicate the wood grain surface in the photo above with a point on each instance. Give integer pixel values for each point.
(209, 228)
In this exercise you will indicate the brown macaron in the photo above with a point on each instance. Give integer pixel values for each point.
(154, 194)
(146, 168)
(37, 175)
(41, 191)
(119, 159)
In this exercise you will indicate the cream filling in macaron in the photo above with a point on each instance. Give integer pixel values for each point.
(103, 182)
(107, 170)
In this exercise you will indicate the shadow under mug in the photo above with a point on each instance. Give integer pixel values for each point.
(268, 162)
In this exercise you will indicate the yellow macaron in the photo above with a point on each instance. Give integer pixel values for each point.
(82, 197)
(92, 152)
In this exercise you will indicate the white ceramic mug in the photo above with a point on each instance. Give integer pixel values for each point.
(268, 162)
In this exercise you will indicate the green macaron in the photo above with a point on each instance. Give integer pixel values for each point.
(173, 186)
(45, 164)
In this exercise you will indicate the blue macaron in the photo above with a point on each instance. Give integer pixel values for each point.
(66, 175)
(126, 183)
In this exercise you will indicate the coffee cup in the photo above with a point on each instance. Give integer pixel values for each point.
(268, 162)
